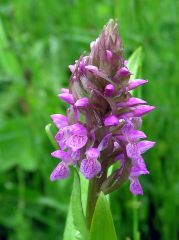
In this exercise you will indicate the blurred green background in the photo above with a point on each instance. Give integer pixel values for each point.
(38, 40)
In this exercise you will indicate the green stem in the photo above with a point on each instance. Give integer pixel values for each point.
(93, 192)
(136, 233)
(91, 201)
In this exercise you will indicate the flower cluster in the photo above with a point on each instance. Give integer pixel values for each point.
(103, 119)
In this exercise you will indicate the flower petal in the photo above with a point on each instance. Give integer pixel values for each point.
(60, 172)
(59, 120)
(61, 139)
(136, 135)
(67, 97)
(145, 145)
(64, 90)
(92, 69)
(90, 167)
(138, 168)
(136, 83)
(72, 68)
(122, 72)
(131, 102)
(109, 90)
(92, 153)
(82, 102)
(76, 142)
(132, 151)
(111, 120)
(142, 110)
(109, 55)
(60, 154)
(135, 186)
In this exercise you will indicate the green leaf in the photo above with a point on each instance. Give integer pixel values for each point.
(76, 226)
(134, 63)
(50, 135)
(102, 226)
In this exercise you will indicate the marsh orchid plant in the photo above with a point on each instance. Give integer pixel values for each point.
(103, 121)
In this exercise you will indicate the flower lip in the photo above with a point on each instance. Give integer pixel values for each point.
(135, 186)
(60, 172)
(90, 168)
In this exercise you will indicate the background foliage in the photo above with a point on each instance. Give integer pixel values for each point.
(38, 40)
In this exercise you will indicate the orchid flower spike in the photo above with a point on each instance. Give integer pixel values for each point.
(100, 91)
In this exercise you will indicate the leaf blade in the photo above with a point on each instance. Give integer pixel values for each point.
(75, 228)
(135, 62)
(102, 226)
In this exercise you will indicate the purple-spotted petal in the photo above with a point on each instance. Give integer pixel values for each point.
(67, 97)
(76, 142)
(132, 151)
(73, 136)
(92, 153)
(111, 120)
(78, 129)
(59, 120)
(75, 156)
(82, 102)
(61, 139)
(90, 168)
(145, 145)
(136, 83)
(135, 186)
(138, 168)
(77, 136)
(127, 129)
(60, 172)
